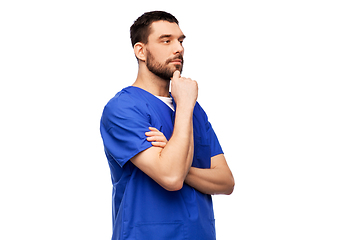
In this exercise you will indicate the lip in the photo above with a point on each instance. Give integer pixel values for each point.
(176, 61)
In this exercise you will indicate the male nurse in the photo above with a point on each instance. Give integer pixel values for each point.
(163, 153)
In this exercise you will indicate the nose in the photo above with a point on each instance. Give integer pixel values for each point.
(178, 48)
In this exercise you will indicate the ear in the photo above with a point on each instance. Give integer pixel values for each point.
(139, 50)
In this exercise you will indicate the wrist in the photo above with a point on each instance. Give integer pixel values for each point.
(185, 108)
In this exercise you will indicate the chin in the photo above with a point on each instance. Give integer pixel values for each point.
(178, 67)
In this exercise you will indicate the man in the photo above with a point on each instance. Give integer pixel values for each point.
(164, 156)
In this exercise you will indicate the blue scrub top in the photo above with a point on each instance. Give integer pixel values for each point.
(142, 209)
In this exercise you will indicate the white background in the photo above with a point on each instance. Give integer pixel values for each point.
(278, 79)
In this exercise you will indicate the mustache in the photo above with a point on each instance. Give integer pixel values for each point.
(177, 57)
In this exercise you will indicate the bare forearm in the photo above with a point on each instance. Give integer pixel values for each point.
(169, 165)
(178, 152)
(210, 181)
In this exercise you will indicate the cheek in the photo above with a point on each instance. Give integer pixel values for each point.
(160, 54)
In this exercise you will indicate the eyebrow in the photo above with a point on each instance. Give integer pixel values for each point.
(169, 36)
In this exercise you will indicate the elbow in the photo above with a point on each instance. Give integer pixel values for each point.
(172, 183)
(229, 191)
(231, 187)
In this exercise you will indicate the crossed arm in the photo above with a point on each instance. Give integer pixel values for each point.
(217, 179)
(169, 162)
(169, 165)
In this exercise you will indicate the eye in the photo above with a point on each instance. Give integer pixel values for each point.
(166, 41)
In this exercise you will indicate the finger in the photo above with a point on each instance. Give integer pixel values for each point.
(158, 144)
(157, 138)
(176, 74)
(150, 139)
(153, 134)
(153, 129)
(154, 138)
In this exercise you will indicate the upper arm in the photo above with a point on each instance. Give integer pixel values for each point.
(150, 162)
(147, 161)
(219, 161)
(123, 129)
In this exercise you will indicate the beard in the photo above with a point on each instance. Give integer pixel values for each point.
(164, 71)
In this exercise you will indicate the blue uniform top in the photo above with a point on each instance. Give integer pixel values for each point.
(142, 209)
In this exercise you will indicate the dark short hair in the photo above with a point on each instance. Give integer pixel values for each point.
(140, 30)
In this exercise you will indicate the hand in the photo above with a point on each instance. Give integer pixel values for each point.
(156, 137)
(184, 90)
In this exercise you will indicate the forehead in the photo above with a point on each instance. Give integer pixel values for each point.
(161, 28)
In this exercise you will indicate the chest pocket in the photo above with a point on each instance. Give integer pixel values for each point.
(202, 149)
(202, 152)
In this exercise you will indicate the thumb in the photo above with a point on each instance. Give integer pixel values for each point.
(176, 74)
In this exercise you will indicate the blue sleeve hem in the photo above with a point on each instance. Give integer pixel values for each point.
(122, 162)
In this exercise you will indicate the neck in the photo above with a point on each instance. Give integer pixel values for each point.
(151, 83)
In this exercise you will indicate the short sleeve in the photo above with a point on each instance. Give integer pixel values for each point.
(214, 141)
(123, 126)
